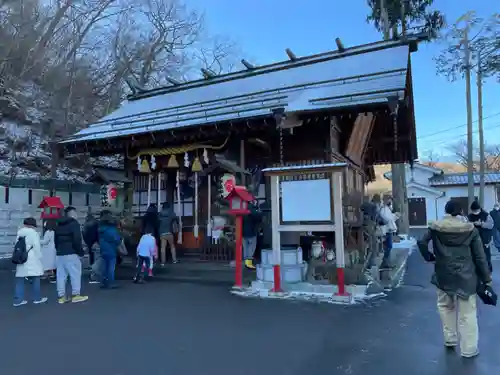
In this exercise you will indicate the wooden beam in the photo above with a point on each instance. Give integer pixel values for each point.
(173, 81)
(359, 138)
(290, 54)
(340, 45)
(207, 73)
(247, 64)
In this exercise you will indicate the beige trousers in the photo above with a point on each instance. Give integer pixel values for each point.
(164, 240)
(459, 318)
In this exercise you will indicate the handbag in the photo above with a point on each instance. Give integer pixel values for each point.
(487, 294)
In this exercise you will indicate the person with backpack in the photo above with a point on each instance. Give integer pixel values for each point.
(460, 271)
(69, 249)
(27, 257)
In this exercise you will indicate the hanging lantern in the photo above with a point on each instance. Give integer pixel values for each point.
(205, 156)
(153, 162)
(172, 162)
(197, 167)
(145, 167)
(186, 160)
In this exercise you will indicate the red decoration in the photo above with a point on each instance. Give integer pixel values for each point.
(112, 192)
(52, 207)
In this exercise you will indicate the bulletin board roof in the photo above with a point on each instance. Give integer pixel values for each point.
(304, 169)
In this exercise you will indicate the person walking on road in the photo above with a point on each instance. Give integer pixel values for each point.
(484, 224)
(69, 249)
(29, 240)
(460, 265)
(109, 243)
(495, 215)
(167, 220)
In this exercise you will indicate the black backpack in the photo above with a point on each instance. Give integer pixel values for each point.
(20, 254)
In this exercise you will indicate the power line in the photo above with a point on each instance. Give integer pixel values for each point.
(497, 125)
(455, 127)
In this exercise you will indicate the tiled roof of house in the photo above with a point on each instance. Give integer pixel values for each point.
(450, 179)
(359, 75)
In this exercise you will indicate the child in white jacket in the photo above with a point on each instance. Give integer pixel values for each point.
(147, 251)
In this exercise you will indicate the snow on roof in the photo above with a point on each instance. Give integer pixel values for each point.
(455, 179)
(359, 75)
(304, 167)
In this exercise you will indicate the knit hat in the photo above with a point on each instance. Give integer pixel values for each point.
(475, 206)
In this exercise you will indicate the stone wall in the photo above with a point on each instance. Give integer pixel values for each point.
(18, 208)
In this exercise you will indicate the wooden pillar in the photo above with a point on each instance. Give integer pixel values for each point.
(338, 216)
(242, 161)
(129, 186)
(276, 235)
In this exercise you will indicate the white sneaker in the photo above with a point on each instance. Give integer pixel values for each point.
(41, 300)
(17, 304)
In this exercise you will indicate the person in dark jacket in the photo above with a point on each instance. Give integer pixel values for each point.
(69, 249)
(495, 215)
(251, 226)
(167, 221)
(109, 242)
(484, 224)
(151, 220)
(90, 235)
(459, 266)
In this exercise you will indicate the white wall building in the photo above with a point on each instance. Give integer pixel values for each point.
(430, 188)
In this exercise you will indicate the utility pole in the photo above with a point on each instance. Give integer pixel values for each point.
(470, 140)
(480, 129)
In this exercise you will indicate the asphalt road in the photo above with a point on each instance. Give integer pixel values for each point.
(189, 329)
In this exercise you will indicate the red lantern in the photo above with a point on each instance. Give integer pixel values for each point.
(52, 207)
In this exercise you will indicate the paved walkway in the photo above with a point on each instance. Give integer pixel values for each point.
(178, 328)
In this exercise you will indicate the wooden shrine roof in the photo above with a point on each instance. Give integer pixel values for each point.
(352, 77)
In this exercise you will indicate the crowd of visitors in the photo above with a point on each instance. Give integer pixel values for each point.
(57, 255)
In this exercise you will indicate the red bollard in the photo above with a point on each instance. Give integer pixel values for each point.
(341, 283)
(238, 275)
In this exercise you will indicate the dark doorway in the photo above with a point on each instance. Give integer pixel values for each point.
(418, 212)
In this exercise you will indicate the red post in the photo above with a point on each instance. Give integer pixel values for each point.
(277, 279)
(238, 275)
(341, 282)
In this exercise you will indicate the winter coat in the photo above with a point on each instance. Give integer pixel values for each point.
(33, 266)
(485, 229)
(251, 223)
(458, 254)
(109, 240)
(68, 237)
(167, 218)
(151, 220)
(495, 215)
(48, 251)
(389, 218)
(90, 231)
